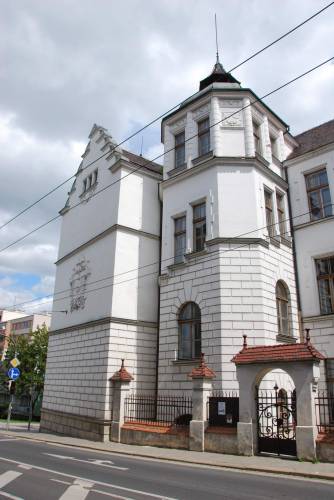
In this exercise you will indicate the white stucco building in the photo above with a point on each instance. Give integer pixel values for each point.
(310, 170)
(158, 267)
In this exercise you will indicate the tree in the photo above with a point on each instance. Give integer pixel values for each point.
(31, 351)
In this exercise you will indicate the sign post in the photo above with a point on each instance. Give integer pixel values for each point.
(13, 374)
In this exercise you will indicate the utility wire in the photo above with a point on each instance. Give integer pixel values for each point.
(259, 99)
(210, 255)
(159, 118)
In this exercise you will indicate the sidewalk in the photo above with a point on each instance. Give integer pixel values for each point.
(266, 464)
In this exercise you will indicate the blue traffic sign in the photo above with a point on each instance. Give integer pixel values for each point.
(13, 373)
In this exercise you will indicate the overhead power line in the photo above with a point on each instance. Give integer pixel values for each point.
(113, 276)
(29, 207)
(259, 99)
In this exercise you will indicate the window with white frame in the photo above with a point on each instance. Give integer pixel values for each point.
(179, 150)
(179, 238)
(325, 278)
(189, 321)
(318, 195)
(90, 180)
(280, 203)
(199, 226)
(282, 305)
(268, 203)
(203, 136)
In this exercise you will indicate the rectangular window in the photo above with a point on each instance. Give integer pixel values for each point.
(281, 214)
(180, 157)
(325, 277)
(257, 138)
(318, 194)
(203, 137)
(268, 201)
(199, 226)
(95, 176)
(179, 239)
(84, 185)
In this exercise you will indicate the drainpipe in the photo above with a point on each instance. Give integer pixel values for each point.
(158, 315)
(301, 332)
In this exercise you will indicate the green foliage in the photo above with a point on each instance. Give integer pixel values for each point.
(31, 352)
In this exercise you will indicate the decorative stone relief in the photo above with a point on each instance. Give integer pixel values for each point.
(230, 103)
(203, 110)
(179, 125)
(230, 119)
(78, 284)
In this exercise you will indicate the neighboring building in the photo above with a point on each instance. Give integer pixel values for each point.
(226, 258)
(116, 233)
(18, 323)
(310, 170)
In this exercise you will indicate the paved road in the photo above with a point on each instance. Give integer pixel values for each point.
(39, 471)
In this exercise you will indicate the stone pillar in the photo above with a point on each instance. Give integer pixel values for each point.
(202, 387)
(216, 131)
(266, 147)
(306, 389)
(121, 386)
(249, 140)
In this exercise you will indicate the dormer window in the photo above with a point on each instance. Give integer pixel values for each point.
(203, 137)
(180, 156)
(257, 138)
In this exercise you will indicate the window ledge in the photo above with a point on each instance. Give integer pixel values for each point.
(274, 240)
(176, 170)
(199, 253)
(186, 361)
(287, 339)
(311, 222)
(176, 265)
(201, 158)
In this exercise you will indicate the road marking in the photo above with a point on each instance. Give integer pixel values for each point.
(109, 485)
(8, 495)
(102, 463)
(96, 491)
(26, 467)
(77, 491)
(9, 439)
(8, 477)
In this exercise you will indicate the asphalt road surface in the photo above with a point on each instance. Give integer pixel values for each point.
(39, 471)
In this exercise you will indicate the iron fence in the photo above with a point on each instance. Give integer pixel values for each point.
(223, 408)
(161, 410)
(324, 405)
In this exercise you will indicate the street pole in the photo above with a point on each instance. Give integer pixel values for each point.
(9, 413)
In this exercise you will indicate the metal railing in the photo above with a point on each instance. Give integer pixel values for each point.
(324, 405)
(160, 411)
(223, 408)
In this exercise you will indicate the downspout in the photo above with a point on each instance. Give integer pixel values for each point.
(295, 260)
(158, 315)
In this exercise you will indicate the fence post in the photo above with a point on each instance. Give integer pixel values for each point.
(121, 386)
(202, 387)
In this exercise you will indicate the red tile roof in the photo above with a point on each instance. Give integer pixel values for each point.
(123, 375)
(202, 371)
(280, 352)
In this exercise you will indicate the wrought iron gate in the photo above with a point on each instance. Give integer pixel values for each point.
(276, 421)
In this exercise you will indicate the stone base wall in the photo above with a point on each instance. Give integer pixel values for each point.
(221, 440)
(74, 425)
(150, 436)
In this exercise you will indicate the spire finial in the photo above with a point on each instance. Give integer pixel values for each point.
(217, 52)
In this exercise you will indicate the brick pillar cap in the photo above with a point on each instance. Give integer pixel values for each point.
(122, 374)
(202, 371)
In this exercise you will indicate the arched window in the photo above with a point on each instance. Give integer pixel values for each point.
(189, 331)
(282, 304)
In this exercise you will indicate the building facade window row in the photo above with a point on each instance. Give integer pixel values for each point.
(199, 232)
(204, 143)
(318, 195)
(275, 225)
(90, 181)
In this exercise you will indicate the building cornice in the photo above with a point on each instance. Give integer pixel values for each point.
(313, 222)
(106, 232)
(124, 163)
(310, 154)
(259, 163)
(104, 321)
(238, 241)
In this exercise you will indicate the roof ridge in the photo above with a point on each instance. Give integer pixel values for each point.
(313, 128)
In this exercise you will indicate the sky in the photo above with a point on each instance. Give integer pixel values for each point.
(66, 65)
